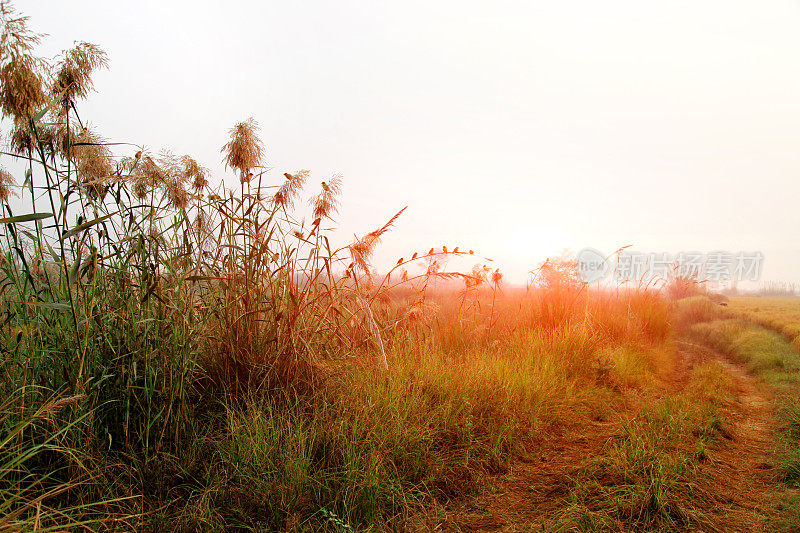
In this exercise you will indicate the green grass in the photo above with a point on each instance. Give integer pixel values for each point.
(778, 314)
(764, 352)
(645, 478)
(773, 358)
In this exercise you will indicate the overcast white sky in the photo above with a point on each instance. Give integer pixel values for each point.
(517, 128)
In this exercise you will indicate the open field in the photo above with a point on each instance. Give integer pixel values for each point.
(755, 334)
(180, 356)
(778, 314)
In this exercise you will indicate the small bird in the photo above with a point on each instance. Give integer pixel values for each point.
(414, 256)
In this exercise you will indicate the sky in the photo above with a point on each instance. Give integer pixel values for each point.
(519, 129)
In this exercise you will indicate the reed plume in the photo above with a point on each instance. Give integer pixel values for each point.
(327, 201)
(194, 173)
(143, 174)
(92, 161)
(362, 249)
(73, 79)
(6, 183)
(244, 150)
(291, 187)
(22, 92)
(175, 178)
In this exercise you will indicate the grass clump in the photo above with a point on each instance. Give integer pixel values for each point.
(645, 479)
(693, 310)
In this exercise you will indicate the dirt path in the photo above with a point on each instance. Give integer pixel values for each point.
(737, 480)
(535, 487)
(741, 473)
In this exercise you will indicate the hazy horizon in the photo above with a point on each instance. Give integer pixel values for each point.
(517, 129)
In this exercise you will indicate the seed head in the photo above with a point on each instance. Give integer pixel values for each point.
(6, 182)
(194, 174)
(74, 73)
(327, 201)
(244, 150)
(22, 91)
(291, 187)
(93, 163)
(362, 249)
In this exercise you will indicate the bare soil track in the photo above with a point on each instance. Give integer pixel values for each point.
(738, 478)
(741, 473)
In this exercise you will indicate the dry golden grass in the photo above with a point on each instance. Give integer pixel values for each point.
(778, 314)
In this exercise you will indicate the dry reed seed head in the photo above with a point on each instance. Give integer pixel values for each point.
(21, 141)
(60, 138)
(194, 173)
(497, 277)
(49, 136)
(201, 222)
(244, 150)
(15, 36)
(177, 195)
(93, 163)
(421, 311)
(143, 174)
(141, 186)
(288, 191)
(6, 184)
(362, 249)
(74, 72)
(326, 203)
(477, 278)
(22, 93)
(151, 170)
